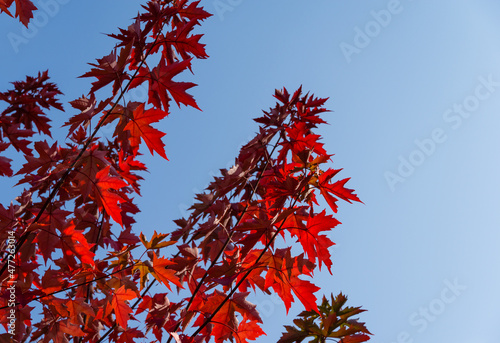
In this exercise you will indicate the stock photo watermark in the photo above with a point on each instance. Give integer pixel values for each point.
(11, 282)
(429, 313)
(454, 117)
(223, 6)
(364, 34)
(47, 9)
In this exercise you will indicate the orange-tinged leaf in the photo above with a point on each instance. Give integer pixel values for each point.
(71, 329)
(249, 330)
(156, 241)
(163, 274)
(120, 306)
(78, 307)
(143, 273)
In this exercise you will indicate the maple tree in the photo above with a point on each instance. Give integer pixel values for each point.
(71, 253)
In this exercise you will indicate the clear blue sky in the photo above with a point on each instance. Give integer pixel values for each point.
(416, 100)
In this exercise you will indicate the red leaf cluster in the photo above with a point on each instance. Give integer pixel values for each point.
(71, 248)
(24, 9)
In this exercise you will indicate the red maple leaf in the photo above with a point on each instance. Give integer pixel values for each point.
(192, 11)
(185, 44)
(4, 6)
(24, 9)
(47, 237)
(77, 308)
(48, 158)
(225, 321)
(139, 128)
(87, 108)
(107, 196)
(28, 98)
(119, 304)
(355, 338)
(163, 274)
(109, 69)
(314, 244)
(73, 243)
(331, 192)
(129, 336)
(5, 168)
(249, 330)
(160, 81)
(283, 277)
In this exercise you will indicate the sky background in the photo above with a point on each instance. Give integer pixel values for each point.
(421, 254)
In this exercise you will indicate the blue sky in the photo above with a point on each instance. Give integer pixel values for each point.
(415, 99)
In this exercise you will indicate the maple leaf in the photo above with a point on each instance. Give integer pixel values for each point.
(314, 244)
(331, 321)
(163, 274)
(156, 241)
(139, 127)
(136, 36)
(48, 158)
(51, 281)
(184, 44)
(78, 307)
(245, 307)
(355, 339)
(293, 335)
(8, 219)
(109, 199)
(159, 312)
(5, 167)
(225, 320)
(283, 277)
(129, 336)
(125, 167)
(74, 243)
(110, 69)
(24, 9)
(47, 238)
(65, 327)
(87, 108)
(331, 191)
(4, 6)
(28, 98)
(92, 162)
(192, 11)
(249, 330)
(160, 81)
(120, 306)
(143, 269)
(15, 134)
(128, 237)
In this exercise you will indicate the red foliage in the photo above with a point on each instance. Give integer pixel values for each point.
(63, 252)
(24, 9)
